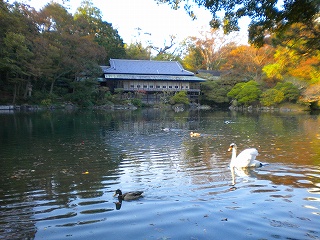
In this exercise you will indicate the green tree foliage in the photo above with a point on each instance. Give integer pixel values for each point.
(137, 51)
(303, 70)
(300, 37)
(290, 92)
(167, 57)
(180, 98)
(90, 20)
(271, 97)
(215, 92)
(193, 60)
(245, 93)
(16, 46)
(266, 16)
(51, 51)
(17, 56)
(283, 91)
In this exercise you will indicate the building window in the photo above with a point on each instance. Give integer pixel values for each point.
(164, 86)
(145, 86)
(187, 87)
(138, 86)
(170, 86)
(132, 86)
(151, 86)
(157, 86)
(176, 87)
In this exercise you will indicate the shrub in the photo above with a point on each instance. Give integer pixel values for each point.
(136, 102)
(245, 93)
(180, 98)
(291, 92)
(46, 102)
(271, 97)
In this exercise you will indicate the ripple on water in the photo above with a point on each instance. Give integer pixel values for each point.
(189, 191)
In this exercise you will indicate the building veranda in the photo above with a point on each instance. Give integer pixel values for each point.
(150, 80)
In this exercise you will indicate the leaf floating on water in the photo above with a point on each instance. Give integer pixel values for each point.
(86, 172)
(224, 219)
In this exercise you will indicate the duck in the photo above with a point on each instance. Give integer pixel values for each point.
(246, 159)
(128, 196)
(194, 134)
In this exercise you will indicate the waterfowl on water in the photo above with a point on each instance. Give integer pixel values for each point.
(165, 129)
(247, 158)
(194, 134)
(128, 196)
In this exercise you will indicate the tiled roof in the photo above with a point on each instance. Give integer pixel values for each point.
(153, 77)
(149, 67)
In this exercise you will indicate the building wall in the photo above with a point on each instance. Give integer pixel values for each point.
(157, 86)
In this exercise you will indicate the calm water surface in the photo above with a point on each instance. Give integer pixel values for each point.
(59, 171)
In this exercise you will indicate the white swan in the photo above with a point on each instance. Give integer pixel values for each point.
(247, 158)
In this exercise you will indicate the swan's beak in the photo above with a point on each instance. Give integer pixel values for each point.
(229, 149)
(115, 194)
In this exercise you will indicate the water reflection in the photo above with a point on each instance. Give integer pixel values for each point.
(59, 171)
(243, 173)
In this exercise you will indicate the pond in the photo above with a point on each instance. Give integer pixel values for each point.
(59, 171)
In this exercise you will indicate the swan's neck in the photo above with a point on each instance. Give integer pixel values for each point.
(234, 154)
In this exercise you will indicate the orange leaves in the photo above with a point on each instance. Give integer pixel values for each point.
(307, 70)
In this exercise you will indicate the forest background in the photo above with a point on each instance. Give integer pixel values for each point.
(50, 57)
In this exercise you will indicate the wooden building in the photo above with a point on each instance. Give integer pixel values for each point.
(150, 78)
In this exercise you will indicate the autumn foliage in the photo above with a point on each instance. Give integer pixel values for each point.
(266, 76)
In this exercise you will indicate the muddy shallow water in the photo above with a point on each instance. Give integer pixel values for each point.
(59, 171)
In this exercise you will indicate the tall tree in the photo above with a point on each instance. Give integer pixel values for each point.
(17, 33)
(206, 52)
(70, 53)
(247, 62)
(267, 16)
(90, 20)
(137, 51)
(288, 63)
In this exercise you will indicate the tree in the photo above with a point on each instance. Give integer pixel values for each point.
(245, 93)
(17, 31)
(180, 98)
(167, 57)
(50, 52)
(207, 52)
(290, 92)
(215, 92)
(193, 60)
(271, 97)
(247, 62)
(266, 16)
(301, 38)
(18, 55)
(90, 21)
(287, 62)
(137, 51)
(163, 50)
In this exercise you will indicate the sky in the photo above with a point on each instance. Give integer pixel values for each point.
(145, 21)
